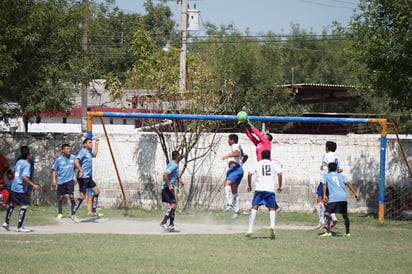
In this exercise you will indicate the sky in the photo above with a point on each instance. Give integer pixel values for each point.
(260, 16)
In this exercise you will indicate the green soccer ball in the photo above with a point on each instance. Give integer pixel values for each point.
(242, 116)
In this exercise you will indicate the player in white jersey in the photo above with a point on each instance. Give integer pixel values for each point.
(266, 172)
(235, 159)
(329, 157)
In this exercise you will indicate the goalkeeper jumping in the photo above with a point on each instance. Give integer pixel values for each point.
(261, 141)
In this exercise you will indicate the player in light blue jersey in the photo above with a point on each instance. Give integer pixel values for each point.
(170, 181)
(330, 156)
(334, 194)
(19, 188)
(235, 159)
(83, 163)
(63, 176)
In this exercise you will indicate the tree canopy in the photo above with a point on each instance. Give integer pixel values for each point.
(40, 54)
(42, 62)
(382, 36)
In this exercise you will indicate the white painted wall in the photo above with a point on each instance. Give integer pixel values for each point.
(141, 163)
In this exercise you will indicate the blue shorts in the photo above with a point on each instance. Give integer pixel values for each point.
(337, 207)
(265, 198)
(235, 174)
(85, 183)
(19, 198)
(66, 188)
(319, 190)
(168, 196)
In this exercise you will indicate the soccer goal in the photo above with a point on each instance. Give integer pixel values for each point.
(373, 162)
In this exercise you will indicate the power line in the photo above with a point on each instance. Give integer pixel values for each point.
(326, 5)
(345, 2)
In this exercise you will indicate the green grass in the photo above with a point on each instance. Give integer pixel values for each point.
(373, 248)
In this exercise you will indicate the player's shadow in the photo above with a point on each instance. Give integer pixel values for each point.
(334, 233)
(90, 220)
(259, 238)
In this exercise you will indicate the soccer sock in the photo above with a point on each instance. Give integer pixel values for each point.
(94, 203)
(77, 205)
(333, 215)
(73, 204)
(272, 218)
(347, 223)
(10, 209)
(167, 215)
(172, 216)
(252, 217)
(236, 207)
(60, 206)
(22, 214)
(321, 210)
(229, 197)
(328, 220)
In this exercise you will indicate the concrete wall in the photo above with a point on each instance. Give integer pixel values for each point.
(141, 163)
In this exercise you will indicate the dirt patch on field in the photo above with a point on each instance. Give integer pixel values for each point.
(127, 226)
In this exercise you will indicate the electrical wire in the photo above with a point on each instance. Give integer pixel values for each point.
(326, 5)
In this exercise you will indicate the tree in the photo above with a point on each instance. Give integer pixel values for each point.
(40, 41)
(382, 35)
(157, 71)
(247, 72)
(110, 36)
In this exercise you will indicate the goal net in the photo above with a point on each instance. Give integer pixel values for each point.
(131, 161)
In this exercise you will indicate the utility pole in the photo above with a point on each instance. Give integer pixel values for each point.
(183, 41)
(84, 84)
(183, 48)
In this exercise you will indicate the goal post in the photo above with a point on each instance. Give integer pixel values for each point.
(382, 122)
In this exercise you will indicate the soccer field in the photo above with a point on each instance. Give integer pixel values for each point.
(373, 248)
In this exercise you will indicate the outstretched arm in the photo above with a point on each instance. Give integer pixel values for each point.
(95, 147)
(250, 136)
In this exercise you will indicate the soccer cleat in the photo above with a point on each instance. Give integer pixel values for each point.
(278, 210)
(248, 234)
(235, 215)
(74, 218)
(326, 234)
(246, 212)
(272, 233)
(347, 235)
(173, 228)
(227, 208)
(164, 226)
(6, 226)
(22, 229)
(59, 216)
(96, 214)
